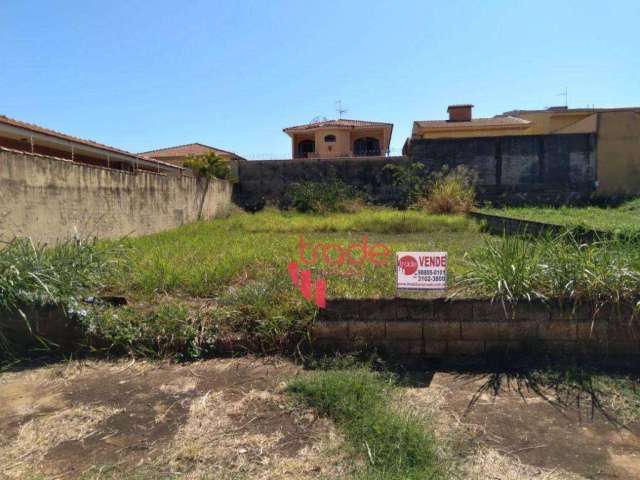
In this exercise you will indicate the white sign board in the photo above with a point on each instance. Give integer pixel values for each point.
(421, 270)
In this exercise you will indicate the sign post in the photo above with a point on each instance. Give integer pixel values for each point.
(421, 271)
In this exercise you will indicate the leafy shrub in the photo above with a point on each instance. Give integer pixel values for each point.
(315, 197)
(408, 181)
(210, 166)
(450, 191)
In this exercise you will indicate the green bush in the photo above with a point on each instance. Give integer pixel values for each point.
(408, 181)
(394, 444)
(315, 197)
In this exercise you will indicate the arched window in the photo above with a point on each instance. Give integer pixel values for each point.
(329, 138)
(305, 147)
(366, 146)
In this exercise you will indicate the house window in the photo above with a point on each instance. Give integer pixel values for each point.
(366, 146)
(306, 147)
(329, 138)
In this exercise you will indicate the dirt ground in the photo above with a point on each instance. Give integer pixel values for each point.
(540, 438)
(213, 419)
(229, 419)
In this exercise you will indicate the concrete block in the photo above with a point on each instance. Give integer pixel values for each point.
(485, 310)
(400, 330)
(405, 347)
(623, 330)
(341, 309)
(414, 309)
(369, 332)
(434, 348)
(619, 348)
(518, 330)
(561, 330)
(465, 347)
(472, 330)
(441, 330)
(377, 310)
(534, 311)
(456, 310)
(334, 330)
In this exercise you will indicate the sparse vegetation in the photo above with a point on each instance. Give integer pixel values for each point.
(449, 191)
(391, 444)
(624, 218)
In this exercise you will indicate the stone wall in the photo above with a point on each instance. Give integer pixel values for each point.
(518, 169)
(50, 199)
(439, 328)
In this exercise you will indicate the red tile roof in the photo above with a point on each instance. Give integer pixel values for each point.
(185, 150)
(91, 143)
(506, 121)
(341, 123)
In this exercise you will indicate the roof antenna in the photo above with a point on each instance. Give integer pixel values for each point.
(565, 94)
(339, 109)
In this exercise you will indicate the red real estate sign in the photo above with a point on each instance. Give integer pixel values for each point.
(421, 270)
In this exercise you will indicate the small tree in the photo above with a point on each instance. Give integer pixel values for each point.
(208, 166)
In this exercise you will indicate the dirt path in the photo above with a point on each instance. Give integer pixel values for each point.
(220, 418)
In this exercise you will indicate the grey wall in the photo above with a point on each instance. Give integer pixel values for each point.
(536, 168)
(50, 199)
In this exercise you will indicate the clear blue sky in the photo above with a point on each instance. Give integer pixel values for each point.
(147, 74)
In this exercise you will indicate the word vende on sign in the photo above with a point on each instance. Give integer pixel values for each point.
(421, 270)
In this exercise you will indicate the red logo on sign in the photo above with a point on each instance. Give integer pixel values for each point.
(408, 264)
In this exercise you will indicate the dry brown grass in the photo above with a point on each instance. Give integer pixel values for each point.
(219, 440)
(458, 439)
(38, 436)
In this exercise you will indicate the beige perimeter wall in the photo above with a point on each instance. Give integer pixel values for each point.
(50, 199)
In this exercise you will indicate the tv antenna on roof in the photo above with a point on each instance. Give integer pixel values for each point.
(565, 94)
(339, 109)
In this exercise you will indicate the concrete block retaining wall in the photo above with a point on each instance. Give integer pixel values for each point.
(439, 328)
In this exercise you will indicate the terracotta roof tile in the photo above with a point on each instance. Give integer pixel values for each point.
(185, 150)
(91, 143)
(341, 123)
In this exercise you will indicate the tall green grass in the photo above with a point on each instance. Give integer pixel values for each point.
(392, 444)
(206, 259)
(371, 220)
(33, 275)
(37, 274)
(517, 268)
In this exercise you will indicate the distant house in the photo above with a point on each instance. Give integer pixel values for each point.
(616, 130)
(30, 138)
(340, 138)
(178, 154)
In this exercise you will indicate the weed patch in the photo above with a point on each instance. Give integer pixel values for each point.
(393, 444)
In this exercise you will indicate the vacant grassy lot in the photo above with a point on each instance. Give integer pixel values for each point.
(624, 218)
(205, 259)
